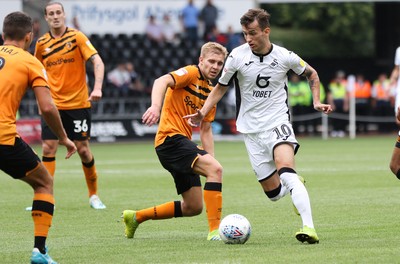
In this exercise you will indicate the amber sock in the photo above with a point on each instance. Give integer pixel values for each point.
(162, 211)
(213, 201)
(42, 215)
(50, 164)
(89, 169)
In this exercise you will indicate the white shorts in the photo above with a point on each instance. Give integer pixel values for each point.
(260, 148)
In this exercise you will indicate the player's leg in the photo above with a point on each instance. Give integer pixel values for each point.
(88, 165)
(43, 204)
(90, 172)
(189, 186)
(21, 162)
(177, 159)
(395, 160)
(263, 166)
(49, 148)
(284, 160)
(77, 124)
(208, 166)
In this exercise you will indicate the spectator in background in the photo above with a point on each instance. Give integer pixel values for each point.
(126, 80)
(209, 16)
(36, 35)
(362, 94)
(381, 100)
(190, 22)
(216, 36)
(338, 97)
(154, 31)
(299, 94)
(120, 78)
(233, 39)
(168, 29)
(136, 88)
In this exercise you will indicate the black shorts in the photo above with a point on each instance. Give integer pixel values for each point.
(177, 155)
(18, 160)
(77, 124)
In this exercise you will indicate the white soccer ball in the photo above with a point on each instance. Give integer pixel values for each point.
(234, 229)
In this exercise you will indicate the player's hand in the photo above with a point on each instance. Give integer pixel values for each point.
(325, 108)
(95, 95)
(194, 119)
(71, 148)
(151, 116)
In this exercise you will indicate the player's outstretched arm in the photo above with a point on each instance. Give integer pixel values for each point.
(213, 98)
(160, 86)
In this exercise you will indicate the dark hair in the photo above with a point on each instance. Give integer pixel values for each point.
(260, 15)
(16, 25)
(52, 3)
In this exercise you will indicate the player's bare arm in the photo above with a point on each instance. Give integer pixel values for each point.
(98, 69)
(52, 117)
(152, 114)
(206, 137)
(213, 98)
(313, 80)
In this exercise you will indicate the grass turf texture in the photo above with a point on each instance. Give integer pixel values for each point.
(354, 198)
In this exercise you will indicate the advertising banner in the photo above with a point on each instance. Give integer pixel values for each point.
(96, 16)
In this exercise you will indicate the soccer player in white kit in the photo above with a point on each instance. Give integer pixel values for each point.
(259, 70)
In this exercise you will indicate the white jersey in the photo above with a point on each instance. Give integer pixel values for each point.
(262, 82)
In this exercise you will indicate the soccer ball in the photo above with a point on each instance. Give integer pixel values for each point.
(234, 229)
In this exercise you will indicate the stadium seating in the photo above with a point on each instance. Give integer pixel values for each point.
(151, 60)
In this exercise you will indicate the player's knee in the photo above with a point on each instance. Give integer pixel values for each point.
(215, 174)
(194, 210)
(274, 195)
(218, 172)
(192, 207)
(49, 148)
(84, 153)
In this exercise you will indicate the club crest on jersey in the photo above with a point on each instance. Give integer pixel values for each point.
(274, 63)
(68, 45)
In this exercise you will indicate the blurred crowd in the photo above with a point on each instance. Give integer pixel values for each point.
(374, 102)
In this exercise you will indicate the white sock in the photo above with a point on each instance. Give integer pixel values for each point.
(299, 196)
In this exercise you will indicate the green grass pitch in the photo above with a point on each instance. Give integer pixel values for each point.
(355, 201)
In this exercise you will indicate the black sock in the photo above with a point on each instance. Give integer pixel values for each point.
(40, 243)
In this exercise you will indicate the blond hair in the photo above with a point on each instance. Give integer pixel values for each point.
(213, 47)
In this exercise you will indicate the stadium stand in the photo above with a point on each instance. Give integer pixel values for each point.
(151, 60)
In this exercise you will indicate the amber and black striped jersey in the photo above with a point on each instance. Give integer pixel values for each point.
(18, 71)
(64, 59)
(189, 94)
